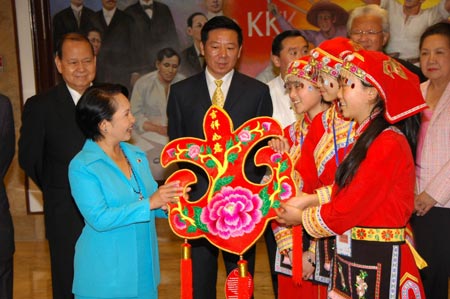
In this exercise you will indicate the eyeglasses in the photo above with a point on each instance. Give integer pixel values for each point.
(361, 32)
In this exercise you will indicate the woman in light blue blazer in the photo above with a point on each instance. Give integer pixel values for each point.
(116, 255)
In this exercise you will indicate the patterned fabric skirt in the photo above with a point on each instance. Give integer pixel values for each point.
(378, 270)
(324, 255)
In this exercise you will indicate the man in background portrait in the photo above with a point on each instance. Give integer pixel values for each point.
(192, 62)
(75, 18)
(114, 59)
(329, 17)
(49, 139)
(214, 8)
(149, 107)
(153, 29)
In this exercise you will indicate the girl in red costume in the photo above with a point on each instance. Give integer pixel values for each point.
(329, 133)
(301, 84)
(373, 195)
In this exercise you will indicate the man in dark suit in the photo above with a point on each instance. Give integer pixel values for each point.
(7, 149)
(49, 139)
(153, 29)
(245, 98)
(113, 60)
(75, 18)
(192, 62)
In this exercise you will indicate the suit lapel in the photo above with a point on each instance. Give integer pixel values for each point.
(65, 106)
(236, 88)
(201, 91)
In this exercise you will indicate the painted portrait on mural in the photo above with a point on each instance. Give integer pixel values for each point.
(256, 18)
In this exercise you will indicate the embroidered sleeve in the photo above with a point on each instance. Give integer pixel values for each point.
(314, 224)
(324, 194)
(283, 237)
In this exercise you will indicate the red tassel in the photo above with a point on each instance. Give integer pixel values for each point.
(297, 254)
(186, 271)
(244, 280)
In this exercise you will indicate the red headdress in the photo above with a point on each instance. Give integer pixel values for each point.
(329, 55)
(301, 68)
(397, 86)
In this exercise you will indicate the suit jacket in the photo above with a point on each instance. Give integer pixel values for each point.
(49, 139)
(189, 100)
(65, 22)
(151, 35)
(7, 149)
(113, 60)
(106, 255)
(190, 64)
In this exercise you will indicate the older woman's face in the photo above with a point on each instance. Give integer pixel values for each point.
(168, 69)
(121, 125)
(435, 57)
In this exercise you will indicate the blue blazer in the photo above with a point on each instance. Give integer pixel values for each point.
(106, 262)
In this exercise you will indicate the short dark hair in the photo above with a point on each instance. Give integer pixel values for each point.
(167, 53)
(71, 37)
(442, 28)
(278, 40)
(190, 20)
(93, 29)
(221, 22)
(95, 105)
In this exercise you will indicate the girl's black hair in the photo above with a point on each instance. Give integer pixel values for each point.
(348, 168)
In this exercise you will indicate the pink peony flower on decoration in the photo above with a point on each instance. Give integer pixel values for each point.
(266, 126)
(245, 136)
(171, 152)
(232, 212)
(180, 225)
(194, 150)
(286, 191)
(275, 158)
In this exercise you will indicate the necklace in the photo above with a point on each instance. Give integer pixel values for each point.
(336, 157)
(138, 191)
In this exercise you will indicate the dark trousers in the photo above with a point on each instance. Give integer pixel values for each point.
(205, 266)
(62, 251)
(6, 278)
(432, 238)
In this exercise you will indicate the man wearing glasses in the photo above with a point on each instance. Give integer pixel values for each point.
(369, 26)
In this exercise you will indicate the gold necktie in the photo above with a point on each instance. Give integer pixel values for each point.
(218, 98)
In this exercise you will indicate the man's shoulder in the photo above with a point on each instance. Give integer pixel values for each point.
(147, 78)
(49, 95)
(187, 51)
(160, 5)
(133, 8)
(120, 14)
(63, 12)
(4, 99)
(88, 11)
(189, 82)
(249, 81)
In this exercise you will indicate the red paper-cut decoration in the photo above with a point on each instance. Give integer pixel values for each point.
(233, 212)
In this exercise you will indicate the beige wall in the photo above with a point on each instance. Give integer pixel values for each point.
(27, 227)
